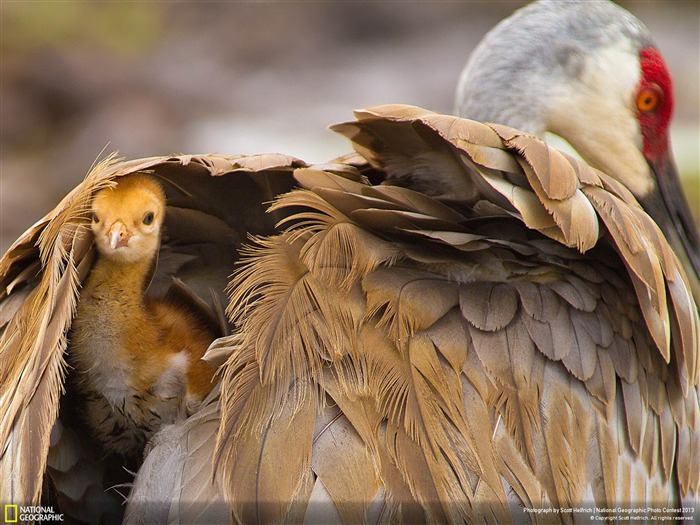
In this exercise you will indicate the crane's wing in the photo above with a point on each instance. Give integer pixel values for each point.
(214, 202)
(517, 334)
(175, 482)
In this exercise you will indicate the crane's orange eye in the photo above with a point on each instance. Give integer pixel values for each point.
(647, 100)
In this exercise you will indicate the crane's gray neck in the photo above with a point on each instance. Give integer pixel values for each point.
(533, 59)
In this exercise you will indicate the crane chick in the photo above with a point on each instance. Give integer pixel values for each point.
(138, 359)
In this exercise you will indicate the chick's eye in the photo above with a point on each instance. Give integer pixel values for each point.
(95, 218)
(148, 218)
(648, 99)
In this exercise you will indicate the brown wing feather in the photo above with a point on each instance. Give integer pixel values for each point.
(582, 387)
(562, 394)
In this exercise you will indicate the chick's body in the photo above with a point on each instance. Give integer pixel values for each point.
(138, 359)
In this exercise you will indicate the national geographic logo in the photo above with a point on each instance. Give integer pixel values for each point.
(11, 513)
(17, 514)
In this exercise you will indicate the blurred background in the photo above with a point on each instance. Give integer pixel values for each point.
(155, 78)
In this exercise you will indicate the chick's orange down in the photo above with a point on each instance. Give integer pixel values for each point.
(137, 359)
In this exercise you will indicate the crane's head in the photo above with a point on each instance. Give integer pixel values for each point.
(127, 219)
(590, 73)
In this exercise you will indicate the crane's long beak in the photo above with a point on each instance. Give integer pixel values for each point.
(669, 208)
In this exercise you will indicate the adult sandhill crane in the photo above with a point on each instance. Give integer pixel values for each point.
(499, 327)
(497, 331)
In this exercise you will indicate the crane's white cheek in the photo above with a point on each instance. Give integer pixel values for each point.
(596, 117)
(614, 150)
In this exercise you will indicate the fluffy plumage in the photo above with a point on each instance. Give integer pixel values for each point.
(137, 359)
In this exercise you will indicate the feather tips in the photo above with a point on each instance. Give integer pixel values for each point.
(543, 369)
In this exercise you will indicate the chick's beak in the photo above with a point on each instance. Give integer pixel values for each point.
(118, 235)
(669, 208)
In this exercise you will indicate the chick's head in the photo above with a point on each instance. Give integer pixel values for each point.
(127, 219)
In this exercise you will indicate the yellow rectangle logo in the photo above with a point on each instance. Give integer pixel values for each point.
(11, 513)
